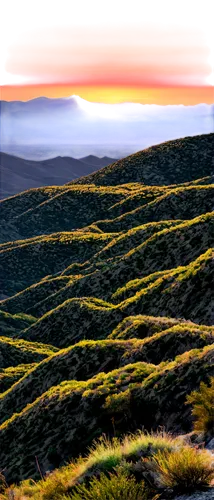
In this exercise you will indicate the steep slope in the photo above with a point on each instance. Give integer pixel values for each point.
(193, 154)
(11, 324)
(180, 203)
(186, 289)
(40, 210)
(164, 250)
(61, 210)
(22, 202)
(35, 293)
(140, 327)
(64, 242)
(107, 306)
(88, 358)
(10, 375)
(76, 412)
(147, 194)
(172, 162)
(17, 352)
(43, 256)
(120, 244)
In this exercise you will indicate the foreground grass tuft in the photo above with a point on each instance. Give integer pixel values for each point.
(113, 487)
(136, 468)
(185, 469)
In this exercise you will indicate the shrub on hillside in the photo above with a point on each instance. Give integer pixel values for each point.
(113, 487)
(185, 469)
(203, 407)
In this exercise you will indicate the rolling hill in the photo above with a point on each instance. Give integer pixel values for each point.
(172, 162)
(107, 310)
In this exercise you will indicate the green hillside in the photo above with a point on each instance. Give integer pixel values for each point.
(87, 358)
(106, 309)
(14, 352)
(87, 317)
(11, 323)
(28, 261)
(58, 410)
(172, 162)
(161, 251)
(64, 210)
(177, 203)
(8, 376)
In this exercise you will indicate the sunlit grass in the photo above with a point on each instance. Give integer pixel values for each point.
(185, 469)
(202, 402)
(176, 464)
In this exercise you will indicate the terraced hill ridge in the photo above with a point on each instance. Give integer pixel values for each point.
(106, 305)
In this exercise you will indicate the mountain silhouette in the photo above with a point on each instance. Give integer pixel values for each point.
(18, 174)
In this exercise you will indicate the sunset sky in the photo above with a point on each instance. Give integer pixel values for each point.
(156, 51)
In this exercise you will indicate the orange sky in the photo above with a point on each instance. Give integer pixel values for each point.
(159, 52)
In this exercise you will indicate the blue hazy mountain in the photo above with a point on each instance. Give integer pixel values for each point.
(133, 109)
(18, 174)
(64, 121)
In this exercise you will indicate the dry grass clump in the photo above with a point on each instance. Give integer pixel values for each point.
(203, 407)
(186, 469)
(116, 486)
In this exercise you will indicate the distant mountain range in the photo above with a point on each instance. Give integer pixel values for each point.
(18, 174)
(44, 128)
(152, 111)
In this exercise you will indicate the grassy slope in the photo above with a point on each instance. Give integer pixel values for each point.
(164, 250)
(173, 246)
(178, 203)
(33, 294)
(119, 275)
(88, 358)
(31, 260)
(11, 323)
(75, 207)
(10, 375)
(172, 162)
(147, 393)
(87, 317)
(118, 246)
(103, 457)
(14, 352)
(139, 327)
